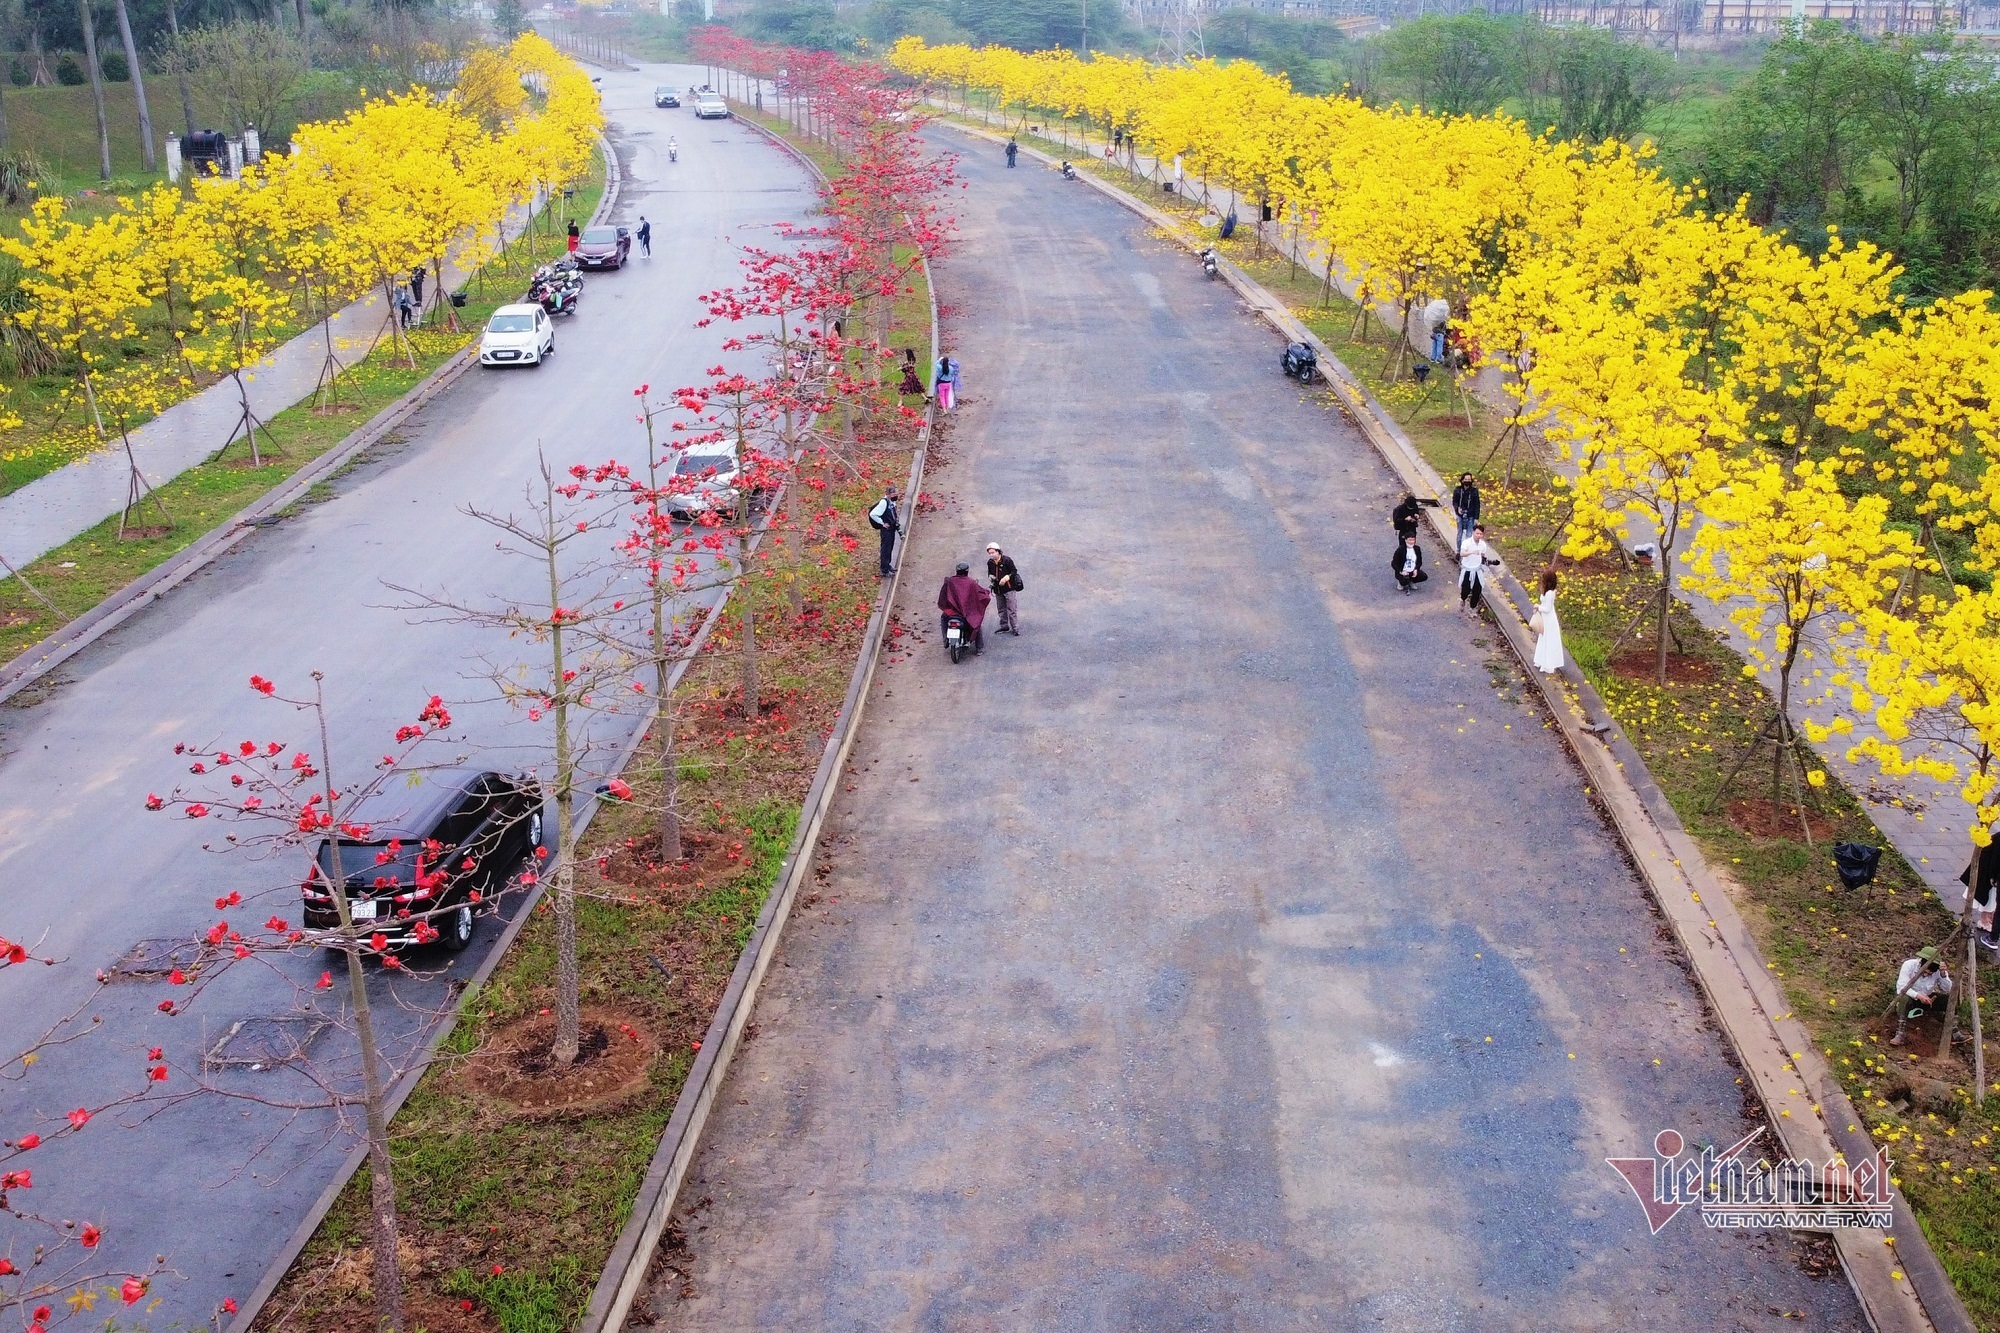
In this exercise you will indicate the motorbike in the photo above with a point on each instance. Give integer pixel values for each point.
(557, 287)
(673, 152)
(1299, 362)
(1068, 172)
(1209, 264)
(957, 636)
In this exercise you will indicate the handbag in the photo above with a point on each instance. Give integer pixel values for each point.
(1535, 623)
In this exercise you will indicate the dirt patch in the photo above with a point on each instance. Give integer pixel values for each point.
(705, 858)
(139, 534)
(1643, 664)
(10, 619)
(614, 1059)
(1449, 422)
(335, 409)
(1761, 817)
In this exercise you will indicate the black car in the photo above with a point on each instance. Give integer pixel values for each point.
(666, 97)
(604, 246)
(431, 854)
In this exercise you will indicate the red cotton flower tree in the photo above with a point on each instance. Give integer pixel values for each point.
(281, 803)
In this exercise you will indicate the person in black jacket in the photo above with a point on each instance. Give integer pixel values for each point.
(1465, 505)
(885, 521)
(1406, 562)
(1005, 580)
(1404, 517)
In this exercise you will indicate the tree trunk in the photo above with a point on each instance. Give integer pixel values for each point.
(305, 47)
(146, 154)
(746, 613)
(567, 1033)
(6, 136)
(96, 88)
(1666, 604)
(383, 1231)
(663, 731)
(180, 66)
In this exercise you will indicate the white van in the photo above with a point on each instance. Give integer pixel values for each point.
(709, 106)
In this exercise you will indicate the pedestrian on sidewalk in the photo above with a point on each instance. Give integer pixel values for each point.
(645, 237)
(1404, 518)
(417, 287)
(1982, 879)
(1013, 150)
(1005, 580)
(1465, 505)
(405, 308)
(962, 596)
(884, 519)
(1548, 629)
(1406, 562)
(1474, 555)
(575, 235)
(1923, 986)
(947, 382)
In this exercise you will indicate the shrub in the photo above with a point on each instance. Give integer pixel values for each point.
(114, 67)
(69, 70)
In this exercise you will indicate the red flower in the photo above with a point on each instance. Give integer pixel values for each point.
(153, 801)
(498, 1270)
(28, 1141)
(378, 941)
(17, 1180)
(157, 1073)
(325, 980)
(196, 810)
(133, 1291)
(262, 686)
(177, 977)
(231, 901)
(79, 1118)
(276, 925)
(229, 1305)
(89, 1236)
(7, 1268)
(154, 1054)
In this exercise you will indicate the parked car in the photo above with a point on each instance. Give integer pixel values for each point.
(704, 481)
(429, 853)
(517, 335)
(665, 96)
(604, 246)
(709, 106)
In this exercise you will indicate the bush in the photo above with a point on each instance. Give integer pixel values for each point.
(114, 67)
(69, 70)
(19, 74)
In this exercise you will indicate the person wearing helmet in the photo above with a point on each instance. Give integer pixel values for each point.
(962, 596)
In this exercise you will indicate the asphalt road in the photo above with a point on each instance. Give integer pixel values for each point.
(1234, 949)
(217, 1184)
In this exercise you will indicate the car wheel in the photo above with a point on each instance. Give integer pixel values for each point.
(455, 929)
(534, 833)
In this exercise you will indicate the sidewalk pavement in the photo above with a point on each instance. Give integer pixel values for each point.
(77, 497)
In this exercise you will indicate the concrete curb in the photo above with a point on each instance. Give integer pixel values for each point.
(249, 1308)
(39, 659)
(1900, 1283)
(625, 1268)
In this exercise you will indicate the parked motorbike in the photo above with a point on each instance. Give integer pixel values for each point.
(1210, 264)
(1299, 362)
(957, 636)
(557, 287)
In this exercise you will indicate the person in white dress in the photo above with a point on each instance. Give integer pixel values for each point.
(1549, 646)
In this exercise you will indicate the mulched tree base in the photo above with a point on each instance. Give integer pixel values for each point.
(515, 1067)
(1643, 664)
(1761, 817)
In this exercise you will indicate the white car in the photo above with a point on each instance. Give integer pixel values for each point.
(517, 335)
(710, 107)
(704, 481)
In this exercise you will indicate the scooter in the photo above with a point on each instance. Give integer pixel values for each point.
(673, 151)
(1068, 172)
(957, 636)
(1209, 263)
(557, 287)
(1299, 362)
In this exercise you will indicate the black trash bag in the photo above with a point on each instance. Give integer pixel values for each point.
(1856, 862)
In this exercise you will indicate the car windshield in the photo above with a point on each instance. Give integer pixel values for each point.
(663, 91)
(600, 235)
(511, 324)
(697, 465)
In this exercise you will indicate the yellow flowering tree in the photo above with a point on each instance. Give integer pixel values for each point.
(1782, 552)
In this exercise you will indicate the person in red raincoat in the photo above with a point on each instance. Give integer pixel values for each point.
(965, 597)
